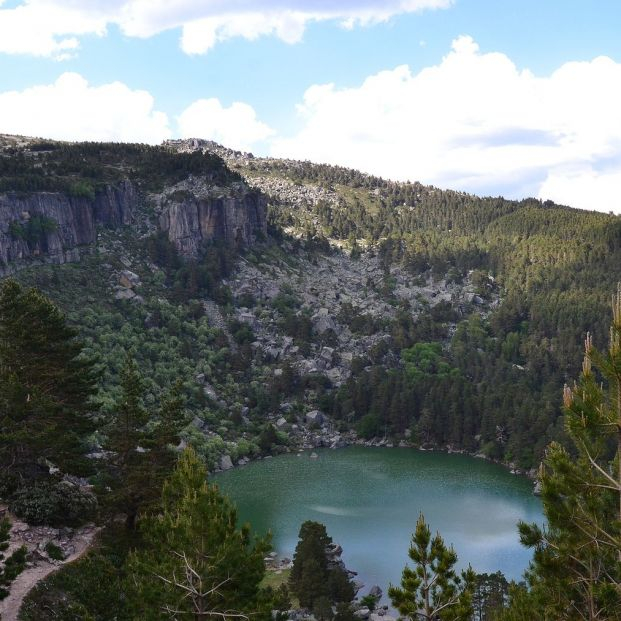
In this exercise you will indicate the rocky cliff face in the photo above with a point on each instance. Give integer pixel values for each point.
(56, 228)
(238, 219)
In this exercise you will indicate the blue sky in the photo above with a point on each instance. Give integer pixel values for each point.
(517, 97)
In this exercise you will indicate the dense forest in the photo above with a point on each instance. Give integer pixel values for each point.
(552, 265)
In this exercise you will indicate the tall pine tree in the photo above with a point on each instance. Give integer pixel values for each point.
(142, 455)
(46, 385)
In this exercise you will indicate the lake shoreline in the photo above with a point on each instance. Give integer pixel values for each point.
(351, 439)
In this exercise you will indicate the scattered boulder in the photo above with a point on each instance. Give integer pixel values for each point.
(129, 279)
(376, 591)
(225, 462)
(124, 294)
(315, 416)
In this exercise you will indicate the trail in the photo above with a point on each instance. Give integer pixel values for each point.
(78, 543)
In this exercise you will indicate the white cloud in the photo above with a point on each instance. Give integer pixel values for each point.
(50, 27)
(475, 122)
(44, 29)
(236, 126)
(71, 109)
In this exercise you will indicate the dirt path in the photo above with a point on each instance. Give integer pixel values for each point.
(76, 543)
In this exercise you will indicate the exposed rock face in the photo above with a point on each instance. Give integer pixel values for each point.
(71, 223)
(236, 216)
(236, 219)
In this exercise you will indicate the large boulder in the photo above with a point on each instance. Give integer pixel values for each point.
(315, 417)
(225, 462)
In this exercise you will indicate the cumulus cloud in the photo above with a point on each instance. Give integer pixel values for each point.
(236, 126)
(51, 27)
(71, 109)
(475, 122)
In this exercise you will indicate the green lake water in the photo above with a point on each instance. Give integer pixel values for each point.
(369, 500)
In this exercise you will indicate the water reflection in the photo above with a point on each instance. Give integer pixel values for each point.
(369, 499)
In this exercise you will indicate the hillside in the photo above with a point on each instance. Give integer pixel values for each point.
(275, 289)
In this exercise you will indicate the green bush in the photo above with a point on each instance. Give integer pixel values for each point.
(87, 590)
(54, 552)
(54, 504)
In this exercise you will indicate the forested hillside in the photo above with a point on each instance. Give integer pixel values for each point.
(463, 319)
(190, 300)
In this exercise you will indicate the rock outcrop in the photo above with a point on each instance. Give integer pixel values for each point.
(56, 228)
(236, 218)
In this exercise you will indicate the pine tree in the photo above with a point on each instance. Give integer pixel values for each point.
(195, 562)
(432, 589)
(46, 385)
(309, 574)
(322, 609)
(576, 570)
(126, 438)
(143, 457)
(12, 565)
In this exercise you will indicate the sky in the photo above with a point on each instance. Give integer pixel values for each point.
(516, 98)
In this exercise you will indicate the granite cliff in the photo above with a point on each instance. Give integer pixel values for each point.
(49, 217)
(195, 213)
(55, 227)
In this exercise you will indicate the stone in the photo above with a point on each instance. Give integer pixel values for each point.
(375, 591)
(323, 323)
(327, 354)
(281, 422)
(225, 462)
(76, 218)
(315, 417)
(129, 279)
(362, 613)
(124, 294)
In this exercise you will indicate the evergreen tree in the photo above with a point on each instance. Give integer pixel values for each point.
(490, 595)
(12, 565)
(195, 562)
(576, 571)
(312, 576)
(322, 609)
(143, 457)
(309, 574)
(432, 589)
(126, 439)
(46, 386)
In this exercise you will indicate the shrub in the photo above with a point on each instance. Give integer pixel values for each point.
(54, 504)
(54, 552)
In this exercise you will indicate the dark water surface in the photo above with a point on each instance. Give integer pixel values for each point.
(370, 498)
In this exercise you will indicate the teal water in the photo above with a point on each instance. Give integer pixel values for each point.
(370, 498)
